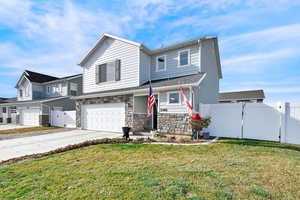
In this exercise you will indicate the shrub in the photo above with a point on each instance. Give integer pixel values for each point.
(198, 123)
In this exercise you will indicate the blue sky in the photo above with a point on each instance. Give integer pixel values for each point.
(259, 39)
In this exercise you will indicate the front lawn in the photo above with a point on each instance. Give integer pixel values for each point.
(228, 169)
(26, 130)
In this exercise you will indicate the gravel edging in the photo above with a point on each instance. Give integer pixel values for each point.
(32, 133)
(185, 144)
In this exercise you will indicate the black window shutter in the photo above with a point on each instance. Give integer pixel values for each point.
(97, 74)
(118, 70)
(103, 73)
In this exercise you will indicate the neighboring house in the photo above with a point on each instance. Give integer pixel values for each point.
(7, 114)
(251, 96)
(116, 74)
(37, 95)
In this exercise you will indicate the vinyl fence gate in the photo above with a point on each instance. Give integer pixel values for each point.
(63, 118)
(277, 122)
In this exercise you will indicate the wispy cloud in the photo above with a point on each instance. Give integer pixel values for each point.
(256, 51)
(253, 63)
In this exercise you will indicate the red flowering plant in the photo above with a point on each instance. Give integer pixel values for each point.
(198, 123)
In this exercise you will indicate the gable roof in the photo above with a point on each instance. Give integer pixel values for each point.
(242, 95)
(156, 51)
(162, 84)
(43, 78)
(98, 42)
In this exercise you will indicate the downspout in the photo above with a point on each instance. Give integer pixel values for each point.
(199, 52)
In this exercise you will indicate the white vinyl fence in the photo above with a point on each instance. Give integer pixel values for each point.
(63, 118)
(279, 122)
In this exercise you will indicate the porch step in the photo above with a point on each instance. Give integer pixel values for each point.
(140, 133)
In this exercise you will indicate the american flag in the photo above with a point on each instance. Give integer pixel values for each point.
(151, 102)
(186, 102)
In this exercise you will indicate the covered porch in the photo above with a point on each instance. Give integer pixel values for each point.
(142, 123)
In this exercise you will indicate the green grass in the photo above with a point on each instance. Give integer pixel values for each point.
(228, 169)
(29, 129)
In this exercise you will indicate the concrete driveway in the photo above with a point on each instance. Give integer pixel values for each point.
(43, 143)
(12, 126)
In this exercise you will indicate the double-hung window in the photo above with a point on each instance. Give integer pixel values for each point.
(21, 93)
(173, 98)
(110, 71)
(183, 58)
(73, 89)
(161, 63)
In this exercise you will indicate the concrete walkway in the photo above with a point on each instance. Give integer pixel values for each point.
(12, 126)
(43, 143)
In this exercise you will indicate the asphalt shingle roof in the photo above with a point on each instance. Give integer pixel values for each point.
(242, 95)
(183, 80)
(38, 77)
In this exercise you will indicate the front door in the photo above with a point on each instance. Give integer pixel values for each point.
(154, 116)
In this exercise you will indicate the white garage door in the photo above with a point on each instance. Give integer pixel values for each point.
(104, 117)
(30, 117)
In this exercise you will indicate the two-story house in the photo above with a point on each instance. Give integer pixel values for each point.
(37, 95)
(116, 77)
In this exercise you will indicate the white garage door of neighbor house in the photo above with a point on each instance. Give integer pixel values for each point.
(104, 117)
(30, 117)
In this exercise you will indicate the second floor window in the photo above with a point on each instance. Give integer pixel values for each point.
(110, 71)
(4, 110)
(160, 63)
(48, 89)
(184, 58)
(21, 93)
(73, 89)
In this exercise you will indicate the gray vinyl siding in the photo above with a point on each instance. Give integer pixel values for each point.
(37, 91)
(145, 63)
(163, 103)
(110, 50)
(209, 88)
(66, 104)
(172, 68)
(78, 81)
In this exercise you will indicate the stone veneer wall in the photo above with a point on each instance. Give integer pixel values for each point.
(174, 123)
(127, 99)
(141, 122)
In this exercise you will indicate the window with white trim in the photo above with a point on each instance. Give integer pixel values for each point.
(161, 63)
(110, 71)
(184, 58)
(73, 89)
(48, 89)
(173, 98)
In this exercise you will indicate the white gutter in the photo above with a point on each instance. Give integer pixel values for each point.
(144, 90)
